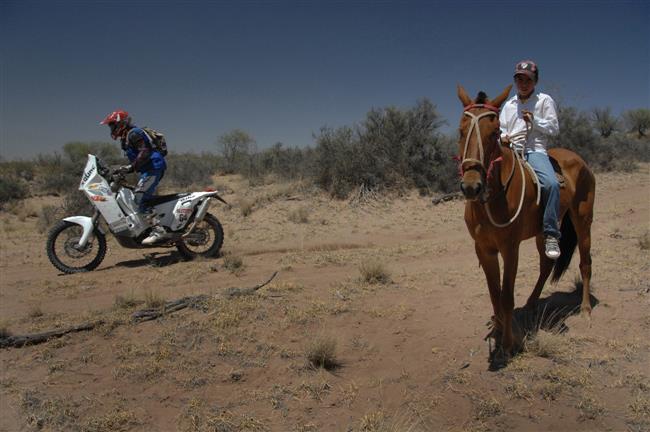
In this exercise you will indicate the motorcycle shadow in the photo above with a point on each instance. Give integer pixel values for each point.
(154, 259)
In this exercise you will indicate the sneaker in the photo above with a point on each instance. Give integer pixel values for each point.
(157, 233)
(552, 248)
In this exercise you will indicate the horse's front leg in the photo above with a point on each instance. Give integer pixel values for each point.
(489, 260)
(510, 256)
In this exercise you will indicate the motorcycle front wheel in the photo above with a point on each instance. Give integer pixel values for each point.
(65, 254)
(205, 240)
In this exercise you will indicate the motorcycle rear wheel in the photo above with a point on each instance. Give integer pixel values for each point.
(64, 255)
(205, 240)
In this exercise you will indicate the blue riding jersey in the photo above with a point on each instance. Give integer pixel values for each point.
(140, 152)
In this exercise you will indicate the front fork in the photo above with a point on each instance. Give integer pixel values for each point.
(88, 224)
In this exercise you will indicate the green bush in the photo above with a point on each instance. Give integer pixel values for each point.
(392, 148)
(186, 169)
(617, 152)
(11, 188)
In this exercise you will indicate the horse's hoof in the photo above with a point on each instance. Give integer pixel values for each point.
(499, 359)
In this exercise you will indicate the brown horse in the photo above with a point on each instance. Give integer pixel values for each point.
(501, 210)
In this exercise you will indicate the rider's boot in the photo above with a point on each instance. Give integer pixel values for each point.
(157, 234)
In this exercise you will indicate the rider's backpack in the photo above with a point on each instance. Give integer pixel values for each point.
(157, 140)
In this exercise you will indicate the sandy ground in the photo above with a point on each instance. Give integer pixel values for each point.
(410, 351)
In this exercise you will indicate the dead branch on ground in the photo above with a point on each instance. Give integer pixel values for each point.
(193, 302)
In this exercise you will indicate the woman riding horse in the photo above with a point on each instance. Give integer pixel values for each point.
(502, 210)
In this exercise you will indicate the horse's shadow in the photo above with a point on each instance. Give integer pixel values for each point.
(550, 314)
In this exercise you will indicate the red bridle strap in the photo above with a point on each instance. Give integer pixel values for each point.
(486, 106)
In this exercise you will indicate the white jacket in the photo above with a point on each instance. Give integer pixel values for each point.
(544, 124)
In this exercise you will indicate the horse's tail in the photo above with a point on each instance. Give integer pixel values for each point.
(568, 242)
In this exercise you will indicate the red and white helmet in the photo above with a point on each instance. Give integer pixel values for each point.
(119, 122)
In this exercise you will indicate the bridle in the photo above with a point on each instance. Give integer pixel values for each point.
(474, 126)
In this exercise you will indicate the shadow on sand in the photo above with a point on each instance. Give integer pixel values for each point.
(155, 259)
(550, 314)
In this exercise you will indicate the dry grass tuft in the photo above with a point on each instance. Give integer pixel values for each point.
(374, 272)
(518, 390)
(640, 406)
(644, 241)
(372, 422)
(321, 353)
(246, 206)
(317, 390)
(380, 422)
(49, 414)
(4, 329)
(550, 345)
(233, 263)
(116, 420)
(486, 407)
(590, 408)
(299, 215)
(126, 302)
(550, 391)
(35, 311)
(153, 299)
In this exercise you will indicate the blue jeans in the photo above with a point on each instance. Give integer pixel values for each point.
(147, 187)
(550, 191)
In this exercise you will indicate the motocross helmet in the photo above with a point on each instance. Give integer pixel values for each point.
(119, 122)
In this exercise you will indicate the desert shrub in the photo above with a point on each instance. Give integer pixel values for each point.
(76, 203)
(284, 162)
(392, 148)
(77, 153)
(637, 121)
(616, 152)
(235, 148)
(57, 175)
(48, 216)
(604, 122)
(12, 188)
(19, 169)
(185, 169)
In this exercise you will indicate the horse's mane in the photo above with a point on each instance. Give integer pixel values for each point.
(481, 98)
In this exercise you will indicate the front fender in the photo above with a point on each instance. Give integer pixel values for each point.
(86, 223)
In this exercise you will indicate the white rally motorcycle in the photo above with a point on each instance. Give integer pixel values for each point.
(78, 244)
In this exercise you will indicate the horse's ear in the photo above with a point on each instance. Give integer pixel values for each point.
(462, 95)
(498, 101)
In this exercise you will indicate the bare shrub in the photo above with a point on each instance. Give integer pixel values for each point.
(321, 353)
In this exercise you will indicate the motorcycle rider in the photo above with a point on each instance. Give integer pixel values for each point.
(144, 159)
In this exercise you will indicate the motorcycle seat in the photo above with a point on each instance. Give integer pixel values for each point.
(159, 199)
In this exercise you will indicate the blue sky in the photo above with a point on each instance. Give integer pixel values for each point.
(283, 69)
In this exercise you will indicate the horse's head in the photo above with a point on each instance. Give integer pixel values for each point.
(479, 140)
